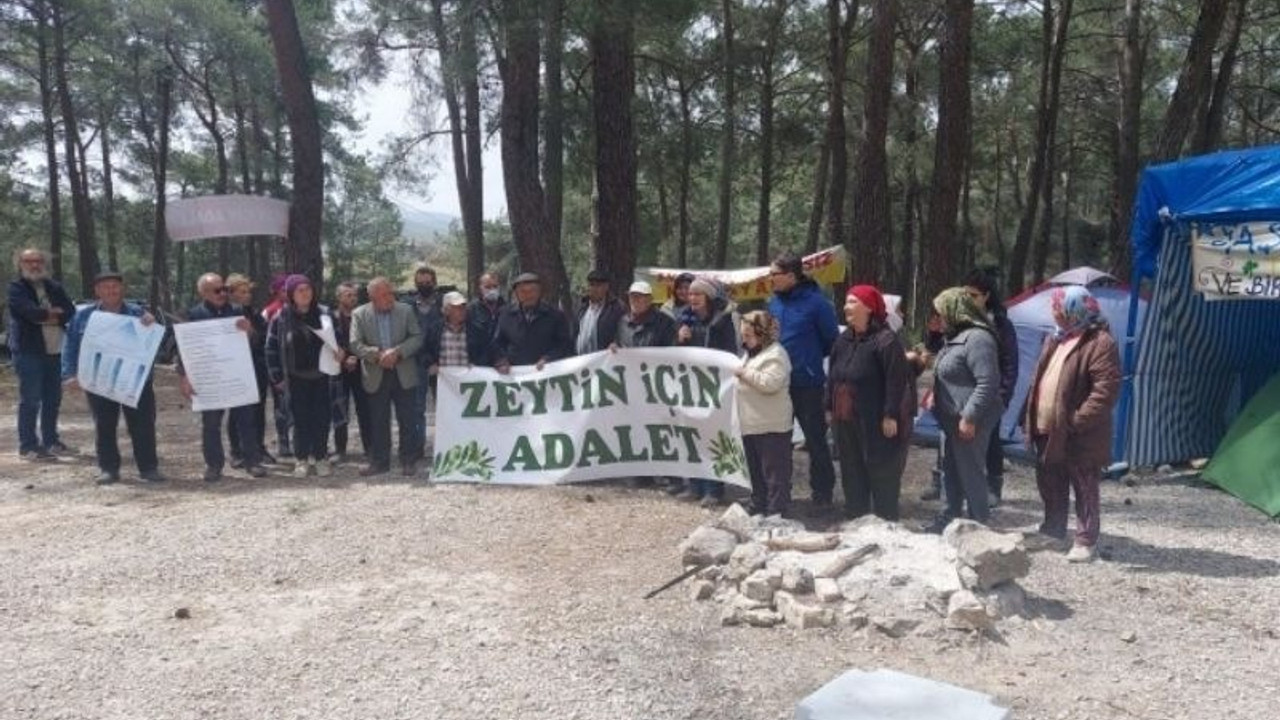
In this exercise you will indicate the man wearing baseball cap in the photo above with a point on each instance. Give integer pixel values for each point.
(109, 288)
(598, 315)
(644, 325)
(451, 343)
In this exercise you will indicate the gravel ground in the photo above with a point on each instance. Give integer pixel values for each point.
(399, 599)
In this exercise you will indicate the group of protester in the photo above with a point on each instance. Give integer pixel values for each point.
(798, 365)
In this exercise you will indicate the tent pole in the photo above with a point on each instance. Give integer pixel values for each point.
(1119, 451)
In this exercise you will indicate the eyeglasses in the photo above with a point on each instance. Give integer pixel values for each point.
(33, 261)
(219, 290)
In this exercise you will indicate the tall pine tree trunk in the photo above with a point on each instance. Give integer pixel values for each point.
(951, 146)
(1207, 134)
(553, 116)
(767, 92)
(728, 138)
(1194, 80)
(519, 67)
(613, 84)
(303, 251)
(161, 295)
(83, 212)
(108, 191)
(839, 32)
(871, 243)
(686, 171)
(1054, 51)
(1127, 149)
(48, 97)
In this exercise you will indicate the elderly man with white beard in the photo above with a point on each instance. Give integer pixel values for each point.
(39, 310)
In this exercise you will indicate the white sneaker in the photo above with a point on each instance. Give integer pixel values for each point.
(301, 469)
(323, 469)
(1082, 554)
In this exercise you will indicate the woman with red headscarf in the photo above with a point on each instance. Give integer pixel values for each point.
(867, 383)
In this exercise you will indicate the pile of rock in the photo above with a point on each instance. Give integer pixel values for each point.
(770, 571)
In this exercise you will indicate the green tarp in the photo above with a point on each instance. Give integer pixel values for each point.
(1247, 463)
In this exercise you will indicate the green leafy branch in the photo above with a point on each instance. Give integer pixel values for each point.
(470, 460)
(727, 455)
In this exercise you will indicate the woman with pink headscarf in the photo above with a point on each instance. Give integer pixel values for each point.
(1068, 421)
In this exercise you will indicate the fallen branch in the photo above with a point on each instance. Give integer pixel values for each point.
(693, 570)
(805, 542)
(844, 561)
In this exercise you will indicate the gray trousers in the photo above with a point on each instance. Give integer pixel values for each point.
(964, 470)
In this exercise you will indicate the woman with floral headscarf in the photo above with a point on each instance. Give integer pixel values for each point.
(865, 395)
(1068, 421)
(966, 402)
(764, 413)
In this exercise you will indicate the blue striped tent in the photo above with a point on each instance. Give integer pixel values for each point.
(1196, 362)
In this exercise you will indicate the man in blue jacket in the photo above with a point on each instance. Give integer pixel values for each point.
(39, 311)
(141, 421)
(808, 329)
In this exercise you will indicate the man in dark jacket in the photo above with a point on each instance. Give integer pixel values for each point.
(645, 325)
(982, 286)
(598, 316)
(530, 331)
(39, 311)
(482, 317)
(214, 305)
(426, 305)
(808, 328)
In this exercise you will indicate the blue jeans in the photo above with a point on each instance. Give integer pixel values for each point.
(39, 395)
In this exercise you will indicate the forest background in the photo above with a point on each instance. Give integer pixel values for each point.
(924, 136)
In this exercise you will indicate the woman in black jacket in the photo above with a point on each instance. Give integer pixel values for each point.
(984, 289)
(706, 322)
(293, 354)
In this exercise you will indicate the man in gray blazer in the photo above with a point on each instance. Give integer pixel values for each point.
(385, 336)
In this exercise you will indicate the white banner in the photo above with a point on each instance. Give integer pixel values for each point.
(226, 216)
(636, 412)
(1236, 262)
(826, 267)
(116, 355)
(216, 359)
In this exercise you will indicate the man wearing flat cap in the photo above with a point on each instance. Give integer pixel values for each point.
(598, 315)
(530, 331)
(108, 287)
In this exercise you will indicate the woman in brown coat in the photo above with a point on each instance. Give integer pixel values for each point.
(1068, 420)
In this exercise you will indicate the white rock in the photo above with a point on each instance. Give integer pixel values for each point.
(761, 618)
(1005, 600)
(776, 526)
(827, 590)
(966, 612)
(737, 521)
(760, 585)
(744, 560)
(800, 614)
(710, 572)
(707, 546)
(797, 579)
(993, 557)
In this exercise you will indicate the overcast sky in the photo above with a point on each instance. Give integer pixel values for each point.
(387, 112)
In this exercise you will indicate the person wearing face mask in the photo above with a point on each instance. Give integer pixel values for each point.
(482, 317)
(426, 304)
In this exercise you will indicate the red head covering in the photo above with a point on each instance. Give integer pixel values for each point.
(870, 296)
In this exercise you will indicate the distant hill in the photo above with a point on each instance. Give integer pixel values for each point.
(423, 226)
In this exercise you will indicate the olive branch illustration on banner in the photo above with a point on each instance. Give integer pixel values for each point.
(470, 460)
(727, 455)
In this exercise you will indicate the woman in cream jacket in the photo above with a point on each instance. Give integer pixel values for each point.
(764, 413)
